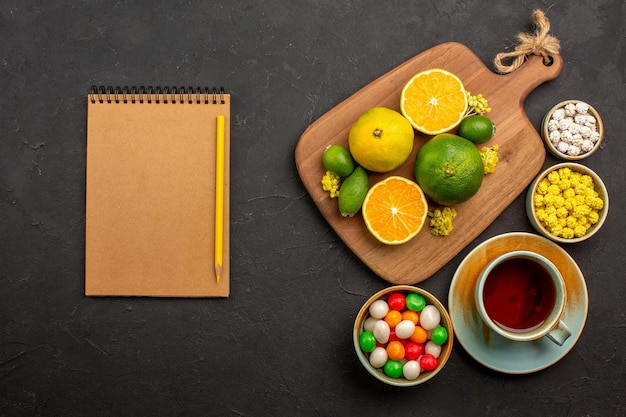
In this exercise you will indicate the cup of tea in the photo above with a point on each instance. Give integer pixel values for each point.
(521, 296)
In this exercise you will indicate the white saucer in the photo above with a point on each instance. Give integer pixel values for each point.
(486, 346)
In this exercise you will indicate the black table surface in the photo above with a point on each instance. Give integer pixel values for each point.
(281, 344)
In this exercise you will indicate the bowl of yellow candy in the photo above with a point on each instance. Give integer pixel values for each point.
(567, 203)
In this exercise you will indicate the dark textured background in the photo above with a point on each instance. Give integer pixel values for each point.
(281, 344)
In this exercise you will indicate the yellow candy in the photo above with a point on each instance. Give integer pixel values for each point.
(567, 203)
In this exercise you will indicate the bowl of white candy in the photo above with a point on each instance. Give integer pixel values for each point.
(572, 130)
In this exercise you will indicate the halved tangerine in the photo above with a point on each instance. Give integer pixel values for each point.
(434, 101)
(394, 210)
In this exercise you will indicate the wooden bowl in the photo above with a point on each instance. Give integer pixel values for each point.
(378, 373)
(599, 187)
(545, 132)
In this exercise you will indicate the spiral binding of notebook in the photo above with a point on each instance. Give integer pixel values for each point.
(157, 95)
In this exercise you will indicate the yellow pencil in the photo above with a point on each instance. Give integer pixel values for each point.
(219, 197)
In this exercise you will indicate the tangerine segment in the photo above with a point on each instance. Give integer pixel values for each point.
(394, 210)
(434, 101)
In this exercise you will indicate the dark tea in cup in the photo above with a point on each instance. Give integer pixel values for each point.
(519, 294)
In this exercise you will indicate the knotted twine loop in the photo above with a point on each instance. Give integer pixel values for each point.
(538, 43)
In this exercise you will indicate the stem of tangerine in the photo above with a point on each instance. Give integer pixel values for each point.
(449, 170)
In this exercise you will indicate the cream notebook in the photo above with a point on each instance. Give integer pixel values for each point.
(151, 192)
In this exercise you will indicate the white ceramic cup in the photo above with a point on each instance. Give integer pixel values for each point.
(521, 296)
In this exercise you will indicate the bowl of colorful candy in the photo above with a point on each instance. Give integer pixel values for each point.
(403, 335)
(572, 130)
(567, 203)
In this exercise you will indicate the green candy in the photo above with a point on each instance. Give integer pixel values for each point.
(439, 335)
(367, 341)
(393, 368)
(415, 301)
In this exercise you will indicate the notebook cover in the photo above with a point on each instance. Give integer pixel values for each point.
(150, 197)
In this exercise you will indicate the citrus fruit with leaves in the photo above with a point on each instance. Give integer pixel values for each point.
(394, 210)
(381, 139)
(434, 101)
(449, 169)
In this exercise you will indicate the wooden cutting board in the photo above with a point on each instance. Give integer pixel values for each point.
(521, 155)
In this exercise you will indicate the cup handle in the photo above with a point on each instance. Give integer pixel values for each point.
(560, 333)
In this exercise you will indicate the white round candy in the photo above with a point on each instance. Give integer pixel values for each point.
(405, 329)
(566, 123)
(570, 109)
(558, 114)
(582, 108)
(411, 370)
(587, 145)
(553, 125)
(432, 348)
(368, 324)
(580, 119)
(430, 317)
(555, 136)
(585, 131)
(573, 150)
(381, 331)
(566, 136)
(591, 121)
(379, 309)
(563, 147)
(378, 357)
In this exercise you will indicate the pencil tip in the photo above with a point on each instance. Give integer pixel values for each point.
(218, 272)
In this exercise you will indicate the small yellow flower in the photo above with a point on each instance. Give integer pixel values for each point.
(477, 104)
(489, 154)
(441, 221)
(330, 183)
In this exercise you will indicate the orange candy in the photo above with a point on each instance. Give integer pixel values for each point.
(393, 318)
(410, 315)
(419, 335)
(395, 350)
